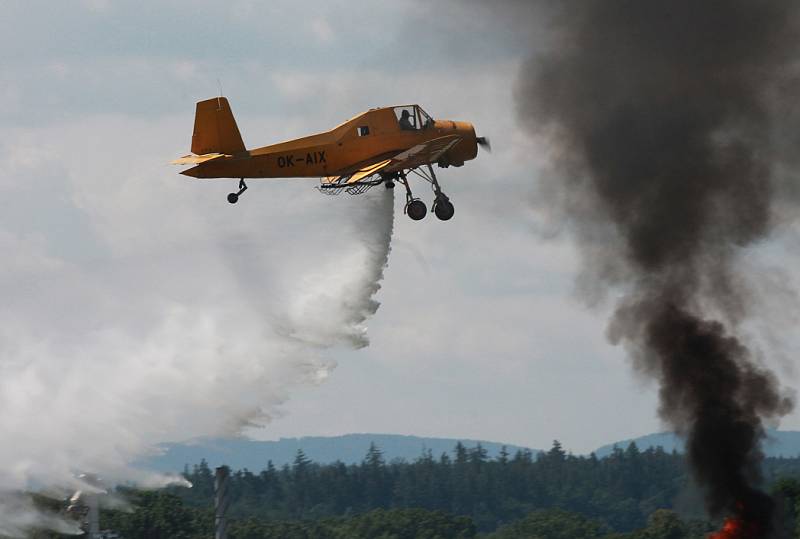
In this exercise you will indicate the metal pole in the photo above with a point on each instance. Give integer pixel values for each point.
(87, 503)
(93, 502)
(221, 502)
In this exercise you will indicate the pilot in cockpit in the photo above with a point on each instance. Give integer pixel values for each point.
(405, 121)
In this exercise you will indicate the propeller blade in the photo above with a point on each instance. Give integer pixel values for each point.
(483, 142)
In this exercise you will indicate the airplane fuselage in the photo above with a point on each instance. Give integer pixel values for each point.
(340, 151)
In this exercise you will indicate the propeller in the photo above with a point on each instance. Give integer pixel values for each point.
(484, 142)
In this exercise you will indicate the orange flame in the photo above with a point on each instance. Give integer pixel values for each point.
(735, 528)
(731, 530)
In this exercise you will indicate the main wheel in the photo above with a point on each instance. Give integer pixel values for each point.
(416, 210)
(389, 184)
(444, 210)
(233, 198)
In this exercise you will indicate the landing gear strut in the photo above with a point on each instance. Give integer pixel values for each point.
(415, 208)
(442, 206)
(233, 198)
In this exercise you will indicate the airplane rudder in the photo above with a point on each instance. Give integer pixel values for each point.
(215, 129)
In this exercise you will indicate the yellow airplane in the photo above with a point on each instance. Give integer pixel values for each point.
(380, 146)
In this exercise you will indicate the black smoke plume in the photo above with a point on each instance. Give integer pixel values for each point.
(659, 114)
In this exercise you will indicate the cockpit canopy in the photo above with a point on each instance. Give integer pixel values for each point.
(412, 118)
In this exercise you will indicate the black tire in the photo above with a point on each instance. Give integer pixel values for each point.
(416, 209)
(444, 210)
(233, 198)
(389, 184)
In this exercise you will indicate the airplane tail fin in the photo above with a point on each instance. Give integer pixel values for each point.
(215, 130)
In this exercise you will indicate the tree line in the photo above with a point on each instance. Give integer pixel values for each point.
(623, 489)
(630, 494)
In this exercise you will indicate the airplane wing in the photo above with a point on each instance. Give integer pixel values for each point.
(192, 159)
(421, 154)
(360, 174)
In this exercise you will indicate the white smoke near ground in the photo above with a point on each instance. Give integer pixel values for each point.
(145, 309)
(17, 516)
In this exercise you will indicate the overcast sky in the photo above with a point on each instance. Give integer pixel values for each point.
(479, 333)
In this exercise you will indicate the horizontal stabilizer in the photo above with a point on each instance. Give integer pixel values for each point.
(192, 159)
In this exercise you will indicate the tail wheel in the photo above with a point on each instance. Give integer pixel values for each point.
(444, 210)
(233, 198)
(416, 209)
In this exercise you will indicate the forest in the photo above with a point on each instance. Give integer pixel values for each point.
(630, 494)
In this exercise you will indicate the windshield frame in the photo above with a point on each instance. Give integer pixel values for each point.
(425, 120)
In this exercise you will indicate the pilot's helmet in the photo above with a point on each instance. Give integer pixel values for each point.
(405, 114)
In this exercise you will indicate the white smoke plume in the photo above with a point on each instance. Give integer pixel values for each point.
(17, 516)
(336, 298)
(148, 310)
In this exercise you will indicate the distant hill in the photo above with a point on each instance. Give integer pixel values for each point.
(780, 443)
(240, 453)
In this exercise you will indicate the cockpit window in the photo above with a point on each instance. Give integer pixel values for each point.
(407, 118)
(412, 118)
